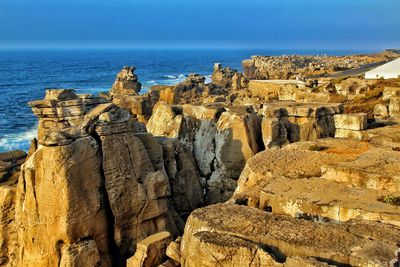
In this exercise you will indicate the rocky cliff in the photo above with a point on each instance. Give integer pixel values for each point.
(222, 138)
(236, 172)
(315, 203)
(94, 186)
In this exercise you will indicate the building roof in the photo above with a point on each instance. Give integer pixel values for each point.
(390, 68)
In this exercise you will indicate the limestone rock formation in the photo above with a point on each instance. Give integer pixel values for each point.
(221, 140)
(350, 125)
(226, 77)
(56, 206)
(355, 122)
(234, 235)
(381, 111)
(125, 93)
(390, 92)
(151, 250)
(351, 86)
(308, 204)
(295, 66)
(394, 107)
(112, 179)
(8, 227)
(61, 115)
(287, 122)
(93, 188)
(186, 187)
(126, 83)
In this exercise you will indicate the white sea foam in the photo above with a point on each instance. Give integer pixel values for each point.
(17, 140)
(150, 82)
(169, 76)
(208, 79)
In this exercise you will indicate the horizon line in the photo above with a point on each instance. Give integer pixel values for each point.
(189, 46)
(360, 49)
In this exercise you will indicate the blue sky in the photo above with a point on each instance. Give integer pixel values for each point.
(341, 24)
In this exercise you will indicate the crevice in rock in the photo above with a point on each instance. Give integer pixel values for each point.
(116, 258)
(333, 262)
(241, 201)
(59, 245)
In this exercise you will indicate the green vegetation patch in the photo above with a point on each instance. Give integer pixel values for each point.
(390, 199)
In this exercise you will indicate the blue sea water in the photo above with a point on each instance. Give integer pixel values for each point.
(25, 75)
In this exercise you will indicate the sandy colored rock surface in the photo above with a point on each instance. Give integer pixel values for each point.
(394, 107)
(287, 122)
(376, 169)
(350, 134)
(295, 66)
(8, 230)
(150, 251)
(324, 200)
(279, 236)
(220, 140)
(295, 161)
(355, 122)
(69, 172)
(87, 199)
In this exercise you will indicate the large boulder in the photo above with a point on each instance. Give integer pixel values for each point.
(394, 107)
(287, 122)
(151, 250)
(126, 83)
(57, 207)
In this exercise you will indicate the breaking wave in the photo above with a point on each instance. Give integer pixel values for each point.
(208, 79)
(18, 141)
(169, 77)
(151, 82)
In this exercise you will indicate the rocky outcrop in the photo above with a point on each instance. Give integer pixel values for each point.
(93, 188)
(57, 208)
(221, 140)
(265, 183)
(151, 250)
(125, 93)
(8, 228)
(295, 66)
(308, 204)
(287, 122)
(186, 187)
(350, 125)
(234, 235)
(381, 111)
(351, 86)
(390, 92)
(394, 107)
(99, 188)
(228, 78)
(126, 83)
(61, 116)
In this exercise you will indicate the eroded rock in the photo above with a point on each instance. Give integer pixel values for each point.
(212, 233)
(151, 250)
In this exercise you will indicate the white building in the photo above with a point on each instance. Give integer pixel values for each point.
(389, 70)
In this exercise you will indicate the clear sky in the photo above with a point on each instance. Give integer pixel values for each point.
(341, 24)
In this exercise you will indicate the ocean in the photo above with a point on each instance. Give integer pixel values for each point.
(25, 75)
